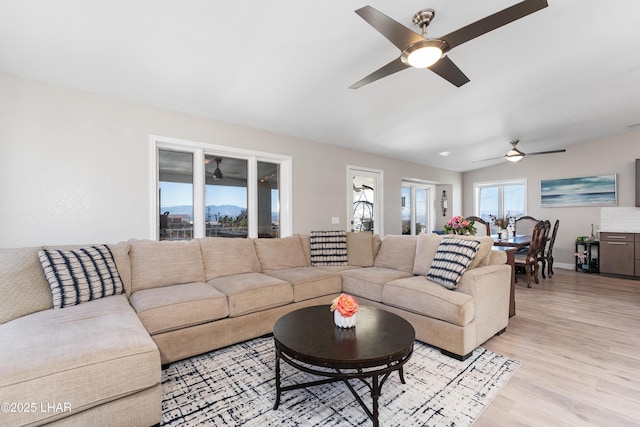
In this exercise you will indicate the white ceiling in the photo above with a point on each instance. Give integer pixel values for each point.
(567, 74)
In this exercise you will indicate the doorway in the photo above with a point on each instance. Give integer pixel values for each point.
(364, 200)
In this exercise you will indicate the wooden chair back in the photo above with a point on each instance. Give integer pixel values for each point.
(525, 224)
(537, 240)
(548, 257)
(552, 240)
(482, 226)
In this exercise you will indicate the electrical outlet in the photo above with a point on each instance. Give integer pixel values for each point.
(335, 220)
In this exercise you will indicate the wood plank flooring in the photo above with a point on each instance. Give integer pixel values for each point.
(578, 338)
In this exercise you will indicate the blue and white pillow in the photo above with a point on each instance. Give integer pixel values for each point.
(328, 247)
(80, 275)
(451, 260)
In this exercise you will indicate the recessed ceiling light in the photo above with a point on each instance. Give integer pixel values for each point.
(445, 153)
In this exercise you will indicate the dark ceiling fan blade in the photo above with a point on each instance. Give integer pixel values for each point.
(395, 32)
(547, 152)
(392, 67)
(449, 71)
(494, 21)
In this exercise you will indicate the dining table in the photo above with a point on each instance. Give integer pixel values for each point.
(510, 245)
(518, 241)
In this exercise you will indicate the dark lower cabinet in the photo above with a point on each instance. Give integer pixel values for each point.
(617, 254)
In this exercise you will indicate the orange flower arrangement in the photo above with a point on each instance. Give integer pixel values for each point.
(345, 304)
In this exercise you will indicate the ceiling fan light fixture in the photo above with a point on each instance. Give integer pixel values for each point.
(424, 53)
(514, 155)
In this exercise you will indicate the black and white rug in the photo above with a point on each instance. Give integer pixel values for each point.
(235, 386)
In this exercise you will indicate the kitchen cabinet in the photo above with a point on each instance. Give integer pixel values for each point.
(618, 254)
(637, 255)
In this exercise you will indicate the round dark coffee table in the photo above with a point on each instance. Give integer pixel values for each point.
(380, 343)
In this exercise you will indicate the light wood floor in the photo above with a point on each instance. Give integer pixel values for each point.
(578, 338)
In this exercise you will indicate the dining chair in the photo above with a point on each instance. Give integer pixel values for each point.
(548, 256)
(543, 247)
(482, 226)
(524, 225)
(529, 260)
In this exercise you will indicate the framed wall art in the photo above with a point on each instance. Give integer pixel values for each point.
(597, 190)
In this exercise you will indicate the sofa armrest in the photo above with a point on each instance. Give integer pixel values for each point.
(490, 287)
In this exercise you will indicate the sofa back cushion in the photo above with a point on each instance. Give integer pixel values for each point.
(280, 254)
(23, 286)
(427, 247)
(397, 252)
(225, 257)
(360, 248)
(157, 264)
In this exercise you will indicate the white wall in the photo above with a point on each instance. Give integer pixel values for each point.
(606, 156)
(74, 166)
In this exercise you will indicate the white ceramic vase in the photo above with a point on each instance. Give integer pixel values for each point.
(344, 322)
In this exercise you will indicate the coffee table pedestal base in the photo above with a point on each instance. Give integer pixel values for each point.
(373, 378)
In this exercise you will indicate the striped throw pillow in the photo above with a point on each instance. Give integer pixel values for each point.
(80, 275)
(451, 260)
(328, 247)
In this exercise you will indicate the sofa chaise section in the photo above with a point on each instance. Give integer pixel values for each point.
(72, 360)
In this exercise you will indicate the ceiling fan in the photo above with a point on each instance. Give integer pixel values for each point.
(422, 52)
(515, 155)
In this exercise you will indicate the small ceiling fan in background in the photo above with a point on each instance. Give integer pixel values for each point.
(515, 155)
(422, 52)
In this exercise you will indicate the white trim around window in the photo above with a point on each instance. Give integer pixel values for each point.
(199, 150)
(478, 185)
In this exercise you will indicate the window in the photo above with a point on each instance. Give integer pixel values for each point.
(416, 214)
(500, 199)
(209, 190)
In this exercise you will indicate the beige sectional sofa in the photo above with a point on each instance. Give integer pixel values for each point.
(100, 361)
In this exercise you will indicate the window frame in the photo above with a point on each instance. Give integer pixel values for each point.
(501, 184)
(199, 149)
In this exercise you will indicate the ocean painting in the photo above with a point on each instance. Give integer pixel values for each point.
(582, 191)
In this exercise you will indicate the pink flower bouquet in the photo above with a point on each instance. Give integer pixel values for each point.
(459, 225)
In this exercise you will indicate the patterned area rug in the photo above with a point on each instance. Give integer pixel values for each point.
(235, 386)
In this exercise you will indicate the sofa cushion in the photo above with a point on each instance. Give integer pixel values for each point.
(328, 247)
(427, 246)
(360, 249)
(23, 286)
(309, 282)
(418, 295)
(368, 282)
(280, 254)
(84, 355)
(223, 256)
(253, 292)
(451, 260)
(156, 264)
(179, 306)
(397, 252)
(80, 275)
